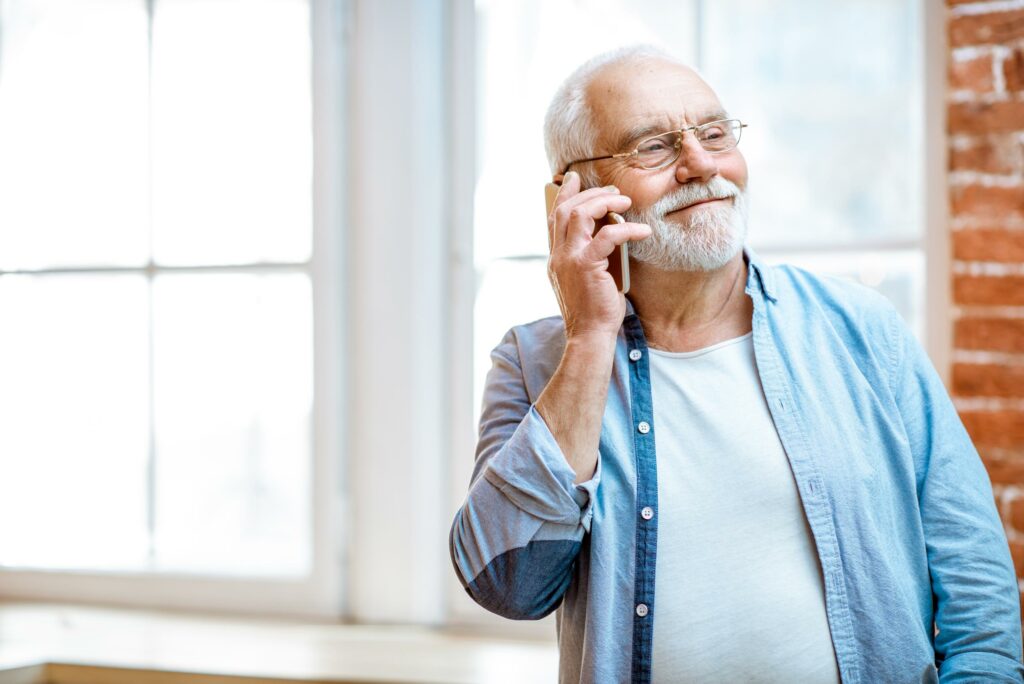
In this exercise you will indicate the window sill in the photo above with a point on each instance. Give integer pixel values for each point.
(71, 644)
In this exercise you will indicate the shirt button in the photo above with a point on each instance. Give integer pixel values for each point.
(644, 427)
(647, 513)
(635, 354)
(641, 609)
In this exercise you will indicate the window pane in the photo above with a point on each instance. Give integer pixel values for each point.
(232, 131)
(74, 426)
(831, 92)
(233, 406)
(73, 125)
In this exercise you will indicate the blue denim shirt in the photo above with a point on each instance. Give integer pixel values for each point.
(919, 585)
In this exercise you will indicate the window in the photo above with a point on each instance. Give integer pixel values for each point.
(175, 195)
(158, 277)
(834, 100)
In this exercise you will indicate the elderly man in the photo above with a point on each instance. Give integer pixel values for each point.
(739, 472)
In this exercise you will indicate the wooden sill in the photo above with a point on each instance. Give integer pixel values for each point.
(70, 644)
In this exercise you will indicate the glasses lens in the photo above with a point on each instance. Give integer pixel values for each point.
(719, 136)
(658, 151)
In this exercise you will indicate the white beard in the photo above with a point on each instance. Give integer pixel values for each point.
(711, 235)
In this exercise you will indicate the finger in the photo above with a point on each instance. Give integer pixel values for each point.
(613, 235)
(582, 217)
(564, 204)
(569, 188)
(568, 197)
(551, 233)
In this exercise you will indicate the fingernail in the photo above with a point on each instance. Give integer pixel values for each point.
(611, 188)
(569, 176)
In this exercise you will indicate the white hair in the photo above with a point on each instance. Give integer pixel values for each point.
(569, 132)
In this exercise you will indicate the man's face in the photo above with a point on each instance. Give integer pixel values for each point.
(696, 206)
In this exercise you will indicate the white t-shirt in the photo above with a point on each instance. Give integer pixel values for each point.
(738, 587)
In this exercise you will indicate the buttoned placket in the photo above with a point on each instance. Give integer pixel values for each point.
(647, 500)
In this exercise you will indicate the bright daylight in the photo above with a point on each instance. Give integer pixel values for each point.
(302, 381)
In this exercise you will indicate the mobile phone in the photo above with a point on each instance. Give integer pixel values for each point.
(618, 260)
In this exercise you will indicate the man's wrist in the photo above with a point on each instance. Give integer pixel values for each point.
(591, 343)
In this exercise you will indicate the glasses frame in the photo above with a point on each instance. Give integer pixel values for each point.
(679, 146)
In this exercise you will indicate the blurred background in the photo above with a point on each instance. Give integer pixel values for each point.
(254, 255)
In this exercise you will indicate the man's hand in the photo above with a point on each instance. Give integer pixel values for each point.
(572, 404)
(578, 266)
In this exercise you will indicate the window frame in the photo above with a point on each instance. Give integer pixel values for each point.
(319, 594)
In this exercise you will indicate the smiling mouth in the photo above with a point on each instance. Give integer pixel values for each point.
(697, 204)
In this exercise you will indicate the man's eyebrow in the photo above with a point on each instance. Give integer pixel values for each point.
(641, 131)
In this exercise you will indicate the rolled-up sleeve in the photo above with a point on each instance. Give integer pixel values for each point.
(515, 539)
(974, 585)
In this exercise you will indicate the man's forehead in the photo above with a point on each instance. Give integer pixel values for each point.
(630, 96)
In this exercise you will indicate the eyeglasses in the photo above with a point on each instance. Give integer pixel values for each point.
(661, 150)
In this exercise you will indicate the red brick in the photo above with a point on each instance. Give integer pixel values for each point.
(988, 380)
(1017, 553)
(986, 117)
(1003, 470)
(977, 158)
(989, 28)
(972, 74)
(1016, 514)
(989, 290)
(993, 154)
(989, 201)
(1013, 70)
(989, 245)
(989, 334)
(1003, 429)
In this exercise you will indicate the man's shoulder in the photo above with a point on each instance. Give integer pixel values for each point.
(542, 337)
(815, 316)
(535, 349)
(841, 296)
(816, 312)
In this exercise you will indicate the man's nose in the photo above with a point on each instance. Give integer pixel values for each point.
(694, 163)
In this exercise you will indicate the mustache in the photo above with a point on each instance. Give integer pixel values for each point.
(693, 192)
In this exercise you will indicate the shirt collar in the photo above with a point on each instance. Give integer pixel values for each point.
(759, 279)
(759, 276)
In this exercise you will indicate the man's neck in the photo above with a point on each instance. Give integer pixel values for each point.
(688, 310)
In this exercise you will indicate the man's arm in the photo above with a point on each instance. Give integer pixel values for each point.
(573, 402)
(977, 604)
(514, 541)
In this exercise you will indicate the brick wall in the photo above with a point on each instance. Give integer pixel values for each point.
(986, 194)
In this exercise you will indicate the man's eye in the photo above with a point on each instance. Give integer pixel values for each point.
(713, 133)
(652, 146)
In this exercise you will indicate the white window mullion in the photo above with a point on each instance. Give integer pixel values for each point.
(151, 485)
(330, 32)
(397, 238)
(932, 173)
